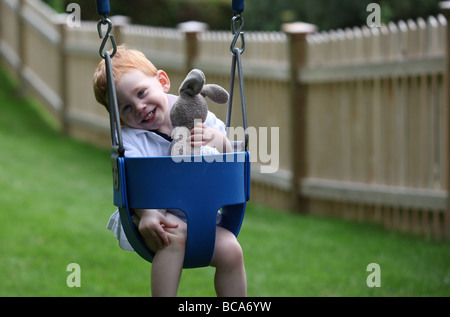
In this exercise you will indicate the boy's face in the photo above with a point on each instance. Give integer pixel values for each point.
(143, 102)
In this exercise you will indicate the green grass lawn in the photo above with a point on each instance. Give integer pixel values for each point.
(56, 198)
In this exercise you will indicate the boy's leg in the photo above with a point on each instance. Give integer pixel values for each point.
(167, 264)
(228, 259)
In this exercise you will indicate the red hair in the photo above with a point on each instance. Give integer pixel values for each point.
(124, 61)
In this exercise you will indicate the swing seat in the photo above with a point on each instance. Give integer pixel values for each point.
(199, 186)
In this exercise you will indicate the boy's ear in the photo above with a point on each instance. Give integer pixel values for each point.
(163, 80)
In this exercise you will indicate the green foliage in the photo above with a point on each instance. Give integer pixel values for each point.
(328, 14)
(165, 13)
(267, 15)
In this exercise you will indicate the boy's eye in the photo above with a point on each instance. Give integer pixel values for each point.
(141, 93)
(126, 108)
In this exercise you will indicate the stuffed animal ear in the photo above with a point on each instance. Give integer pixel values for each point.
(216, 93)
(193, 83)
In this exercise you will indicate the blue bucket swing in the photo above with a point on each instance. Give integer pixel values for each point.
(181, 183)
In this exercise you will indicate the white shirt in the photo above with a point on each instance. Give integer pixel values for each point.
(143, 143)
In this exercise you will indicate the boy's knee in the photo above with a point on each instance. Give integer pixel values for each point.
(227, 251)
(178, 241)
(232, 254)
(235, 251)
(177, 236)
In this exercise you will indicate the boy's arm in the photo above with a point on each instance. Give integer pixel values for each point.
(227, 147)
(202, 134)
(152, 223)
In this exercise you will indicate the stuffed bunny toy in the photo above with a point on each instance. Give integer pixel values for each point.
(190, 108)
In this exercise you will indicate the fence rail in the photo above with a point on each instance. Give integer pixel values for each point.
(362, 113)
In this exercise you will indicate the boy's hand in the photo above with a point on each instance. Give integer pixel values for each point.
(152, 224)
(202, 135)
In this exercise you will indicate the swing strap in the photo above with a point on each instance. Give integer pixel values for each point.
(114, 122)
(103, 8)
(237, 23)
(238, 6)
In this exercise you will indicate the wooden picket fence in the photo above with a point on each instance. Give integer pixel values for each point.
(377, 125)
(361, 115)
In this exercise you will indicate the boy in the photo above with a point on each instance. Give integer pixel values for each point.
(144, 108)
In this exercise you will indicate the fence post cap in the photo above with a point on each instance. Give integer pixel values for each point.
(298, 28)
(120, 20)
(60, 18)
(444, 5)
(192, 27)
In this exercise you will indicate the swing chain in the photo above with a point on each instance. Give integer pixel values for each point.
(106, 21)
(237, 23)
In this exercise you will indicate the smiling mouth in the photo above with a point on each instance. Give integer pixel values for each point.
(149, 118)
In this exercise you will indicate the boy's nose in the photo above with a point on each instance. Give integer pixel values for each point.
(140, 107)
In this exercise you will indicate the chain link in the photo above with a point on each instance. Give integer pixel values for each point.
(108, 35)
(237, 23)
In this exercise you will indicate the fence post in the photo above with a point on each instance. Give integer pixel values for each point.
(61, 21)
(22, 90)
(297, 33)
(119, 22)
(445, 7)
(191, 29)
(1, 25)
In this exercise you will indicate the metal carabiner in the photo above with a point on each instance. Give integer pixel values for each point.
(108, 34)
(237, 33)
